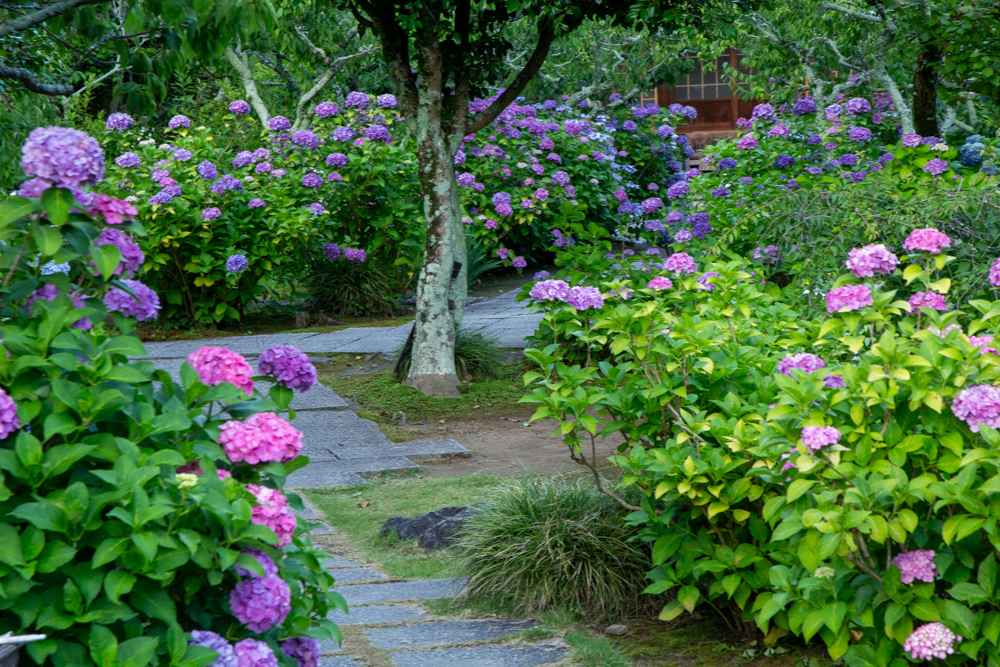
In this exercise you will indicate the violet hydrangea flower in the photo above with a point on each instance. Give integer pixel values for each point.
(216, 365)
(912, 140)
(114, 211)
(857, 105)
(253, 653)
(804, 361)
(342, 134)
(63, 156)
(312, 180)
(928, 300)
(704, 281)
(145, 305)
(119, 122)
(806, 105)
(930, 641)
(747, 142)
(331, 251)
(210, 213)
(9, 421)
(178, 121)
(979, 404)
(866, 261)
(305, 138)
(260, 603)
(356, 100)
(356, 255)
(326, 109)
(660, 282)
(279, 123)
(132, 256)
(237, 264)
(387, 101)
(338, 160)
(226, 655)
(817, 437)
(256, 202)
(584, 297)
(994, 273)
(549, 290)
(316, 208)
(273, 511)
(128, 160)
(290, 367)
(677, 190)
(239, 107)
(936, 167)
(916, 565)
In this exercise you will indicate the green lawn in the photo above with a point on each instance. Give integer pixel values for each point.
(409, 497)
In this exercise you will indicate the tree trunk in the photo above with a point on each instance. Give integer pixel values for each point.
(925, 119)
(440, 292)
(241, 64)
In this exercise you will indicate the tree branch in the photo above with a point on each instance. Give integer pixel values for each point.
(242, 67)
(44, 14)
(34, 85)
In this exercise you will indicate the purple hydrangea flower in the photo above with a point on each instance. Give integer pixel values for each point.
(290, 367)
(342, 134)
(977, 405)
(704, 281)
(132, 256)
(917, 565)
(860, 134)
(803, 361)
(762, 112)
(519, 262)
(848, 298)
(226, 655)
(253, 653)
(128, 160)
(239, 107)
(721, 191)
(865, 262)
(63, 156)
(237, 264)
(326, 109)
(178, 121)
(804, 106)
(930, 641)
(355, 255)
(927, 239)
(9, 421)
(584, 297)
(912, 140)
(263, 168)
(207, 170)
(678, 190)
(356, 100)
(338, 160)
(680, 262)
(279, 123)
(145, 305)
(834, 382)
(181, 155)
(857, 105)
(331, 251)
(784, 161)
(312, 180)
(727, 163)
(210, 213)
(305, 138)
(242, 159)
(256, 202)
(316, 208)
(817, 437)
(261, 603)
(119, 121)
(549, 290)
(387, 101)
(936, 167)
(305, 650)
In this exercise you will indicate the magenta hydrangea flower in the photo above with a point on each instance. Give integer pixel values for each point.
(804, 361)
(306, 650)
(927, 239)
(210, 213)
(273, 511)
(660, 282)
(239, 107)
(747, 142)
(994, 274)
(847, 298)
(916, 566)
(63, 156)
(132, 256)
(930, 641)
(817, 437)
(680, 262)
(226, 655)
(9, 421)
(936, 167)
(279, 123)
(871, 259)
(549, 290)
(983, 343)
(928, 300)
(282, 440)
(253, 653)
(268, 565)
(977, 405)
(178, 121)
(114, 211)
(145, 305)
(834, 382)
(290, 367)
(216, 365)
(326, 109)
(243, 442)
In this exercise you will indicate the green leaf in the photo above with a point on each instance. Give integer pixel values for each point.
(118, 583)
(688, 596)
(155, 603)
(48, 240)
(13, 208)
(55, 554)
(971, 593)
(44, 515)
(108, 550)
(798, 488)
(103, 646)
(136, 652)
(10, 545)
(106, 258)
(57, 203)
(959, 618)
(672, 610)
(924, 609)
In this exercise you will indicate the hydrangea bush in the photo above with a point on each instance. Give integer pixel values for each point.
(828, 478)
(131, 533)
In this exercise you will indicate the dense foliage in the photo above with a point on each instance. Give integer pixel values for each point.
(142, 518)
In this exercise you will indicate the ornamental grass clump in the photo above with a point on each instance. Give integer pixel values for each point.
(546, 544)
(134, 530)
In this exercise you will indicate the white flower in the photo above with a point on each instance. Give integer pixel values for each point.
(185, 480)
(824, 572)
(939, 147)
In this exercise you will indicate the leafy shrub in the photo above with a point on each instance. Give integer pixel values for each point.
(543, 544)
(126, 529)
(478, 260)
(352, 289)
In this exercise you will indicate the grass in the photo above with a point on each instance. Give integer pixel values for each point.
(381, 395)
(592, 650)
(409, 497)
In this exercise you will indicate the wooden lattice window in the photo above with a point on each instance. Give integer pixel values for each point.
(647, 97)
(702, 85)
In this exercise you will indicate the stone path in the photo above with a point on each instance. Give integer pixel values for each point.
(388, 625)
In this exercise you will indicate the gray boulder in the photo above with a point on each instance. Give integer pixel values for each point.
(434, 530)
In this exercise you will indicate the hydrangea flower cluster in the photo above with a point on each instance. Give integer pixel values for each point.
(356, 255)
(305, 650)
(178, 122)
(239, 107)
(916, 565)
(63, 156)
(865, 262)
(994, 273)
(237, 264)
(848, 298)
(273, 511)
(680, 262)
(660, 282)
(132, 255)
(216, 365)
(143, 306)
(817, 437)
(550, 290)
(290, 367)
(9, 421)
(583, 297)
(928, 300)
(803, 361)
(226, 655)
(114, 211)
(930, 641)
(119, 122)
(927, 240)
(979, 404)
(253, 653)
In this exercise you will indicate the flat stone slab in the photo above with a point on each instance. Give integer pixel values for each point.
(245, 345)
(427, 448)
(377, 614)
(337, 432)
(436, 633)
(350, 575)
(340, 561)
(339, 661)
(430, 589)
(482, 656)
(313, 476)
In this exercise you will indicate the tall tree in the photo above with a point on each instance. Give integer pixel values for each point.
(441, 56)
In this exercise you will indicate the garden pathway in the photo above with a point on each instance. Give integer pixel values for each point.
(387, 625)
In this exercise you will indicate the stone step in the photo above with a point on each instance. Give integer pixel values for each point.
(429, 589)
(339, 661)
(313, 477)
(481, 656)
(377, 614)
(429, 448)
(437, 633)
(351, 575)
(332, 432)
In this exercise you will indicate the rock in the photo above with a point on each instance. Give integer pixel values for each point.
(616, 630)
(324, 320)
(434, 530)
(301, 319)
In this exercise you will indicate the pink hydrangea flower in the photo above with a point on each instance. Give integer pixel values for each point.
(804, 361)
(817, 437)
(928, 300)
(916, 566)
(216, 365)
(995, 273)
(253, 653)
(9, 422)
(283, 440)
(660, 282)
(847, 298)
(680, 262)
(927, 239)
(977, 405)
(747, 142)
(260, 603)
(114, 211)
(273, 511)
(930, 641)
(550, 290)
(871, 259)
(983, 343)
